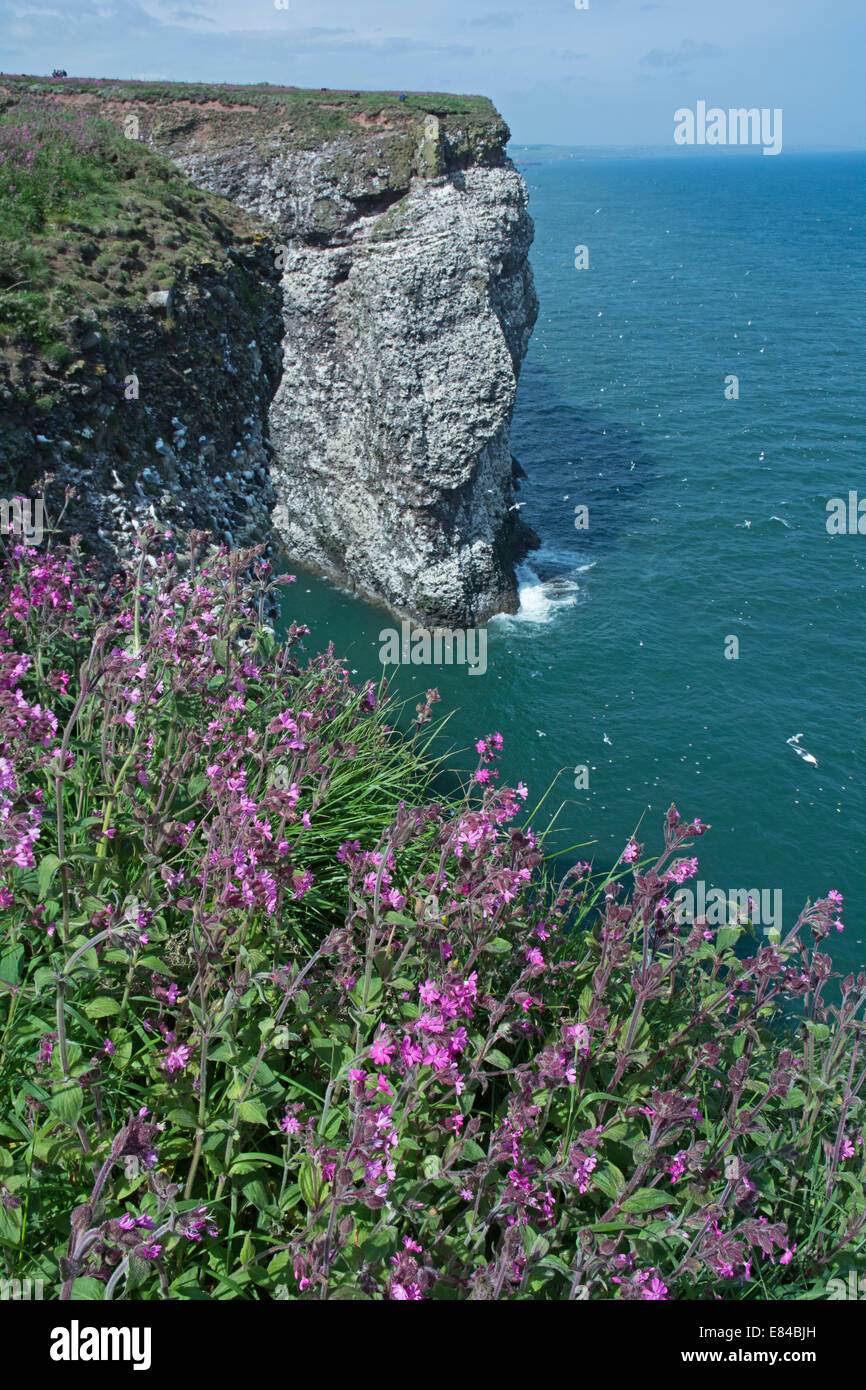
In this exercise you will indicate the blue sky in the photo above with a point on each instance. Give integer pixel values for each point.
(610, 75)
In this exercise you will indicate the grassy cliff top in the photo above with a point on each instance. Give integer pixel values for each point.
(306, 115)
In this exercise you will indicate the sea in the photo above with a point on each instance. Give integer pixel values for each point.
(692, 629)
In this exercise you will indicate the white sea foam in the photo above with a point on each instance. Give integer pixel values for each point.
(540, 599)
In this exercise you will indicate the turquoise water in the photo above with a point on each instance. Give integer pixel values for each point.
(707, 520)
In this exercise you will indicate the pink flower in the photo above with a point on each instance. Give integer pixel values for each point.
(382, 1049)
(302, 883)
(676, 1165)
(680, 870)
(177, 1058)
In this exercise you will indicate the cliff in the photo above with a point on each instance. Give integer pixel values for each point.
(399, 230)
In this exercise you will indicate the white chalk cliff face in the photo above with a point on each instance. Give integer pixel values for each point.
(408, 307)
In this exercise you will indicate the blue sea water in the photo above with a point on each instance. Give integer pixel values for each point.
(707, 521)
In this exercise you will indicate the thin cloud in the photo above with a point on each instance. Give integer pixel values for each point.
(678, 59)
(502, 19)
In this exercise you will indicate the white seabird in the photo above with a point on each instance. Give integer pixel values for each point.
(794, 741)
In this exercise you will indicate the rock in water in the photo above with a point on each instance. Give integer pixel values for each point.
(408, 307)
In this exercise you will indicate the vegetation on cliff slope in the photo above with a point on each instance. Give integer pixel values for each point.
(92, 221)
(275, 1025)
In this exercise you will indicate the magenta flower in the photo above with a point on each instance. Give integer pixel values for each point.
(177, 1058)
(382, 1049)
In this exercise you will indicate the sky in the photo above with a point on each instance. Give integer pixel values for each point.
(611, 74)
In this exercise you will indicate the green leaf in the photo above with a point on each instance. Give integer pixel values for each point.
(66, 1102)
(374, 992)
(431, 1166)
(137, 1272)
(380, 1245)
(101, 1007)
(333, 1124)
(10, 964)
(646, 1199)
(534, 1244)
(236, 1284)
(154, 963)
(122, 1048)
(264, 1075)
(185, 1118)
(728, 936)
(48, 866)
(498, 946)
(498, 1059)
(609, 1180)
(88, 1290)
(793, 1099)
(248, 1162)
(616, 1131)
(88, 960)
(255, 1192)
(11, 1225)
(253, 1112)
